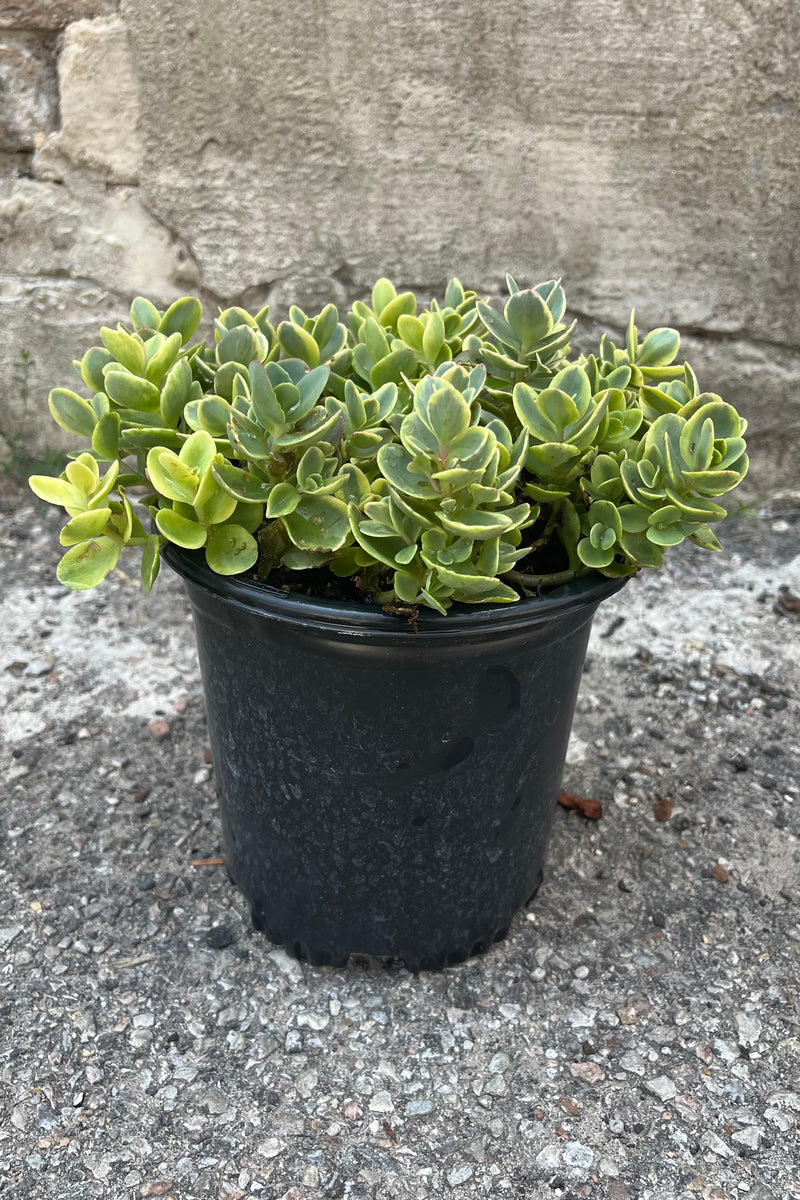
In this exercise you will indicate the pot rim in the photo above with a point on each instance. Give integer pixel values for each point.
(369, 620)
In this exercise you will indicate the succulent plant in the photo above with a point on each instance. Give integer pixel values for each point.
(432, 455)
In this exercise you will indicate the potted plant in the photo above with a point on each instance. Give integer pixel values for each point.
(394, 532)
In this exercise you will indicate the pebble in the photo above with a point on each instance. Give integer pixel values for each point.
(663, 1087)
(271, 1148)
(582, 1018)
(381, 1102)
(715, 1144)
(313, 1020)
(749, 1029)
(589, 1072)
(38, 666)
(499, 1064)
(294, 1042)
(8, 935)
(460, 1174)
(575, 1154)
(418, 1108)
(633, 1062)
(549, 1158)
(214, 1101)
(219, 936)
(749, 1137)
(307, 1083)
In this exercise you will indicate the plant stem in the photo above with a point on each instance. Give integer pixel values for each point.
(535, 582)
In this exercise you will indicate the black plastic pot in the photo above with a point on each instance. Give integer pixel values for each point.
(384, 790)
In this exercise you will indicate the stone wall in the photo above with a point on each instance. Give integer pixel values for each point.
(648, 154)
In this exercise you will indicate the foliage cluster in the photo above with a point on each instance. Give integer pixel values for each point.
(439, 454)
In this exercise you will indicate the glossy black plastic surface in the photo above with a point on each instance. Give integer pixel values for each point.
(386, 791)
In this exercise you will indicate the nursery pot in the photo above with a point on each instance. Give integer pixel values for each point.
(386, 788)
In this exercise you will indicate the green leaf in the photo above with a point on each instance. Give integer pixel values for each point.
(410, 329)
(176, 392)
(240, 346)
(393, 464)
(704, 537)
(82, 476)
(575, 382)
(655, 402)
(231, 550)
(404, 305)
(475, 523)
(182, 317)
(383, 293)
(433, 337)
(213, 415)
(85, 525)
(180, 530)
(529, 411)
(105, 437)
(164, 358)
(325, 325)
(631, 338)
(87, 564)
(407, 555)
(659, 348)
(498, 326)
(283, 499)
(248, 515)
(606, 514)
(266, 408)
(130, 391)
(529, 318)
(298, 343)
(594, 556)
(633, 518)
(212, 503)
(551, 457)
(553, 295)
(304, 560)
(171, 477)
(105, 485)
(318, 523)
(56, 491)
(144, 314)
(311, 385)
(91, 367)
(126, 349)
(240, 484)
(144, 437)
(151, 562)
(72, 412)
(392, 368)
(470, 586)
(666, 535)
(198, 451)
(448, 415)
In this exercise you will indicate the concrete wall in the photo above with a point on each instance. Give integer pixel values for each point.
(647, 153)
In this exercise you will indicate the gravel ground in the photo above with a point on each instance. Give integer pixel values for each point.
(635, 1037)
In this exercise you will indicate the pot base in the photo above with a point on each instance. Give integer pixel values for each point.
(318, 956)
